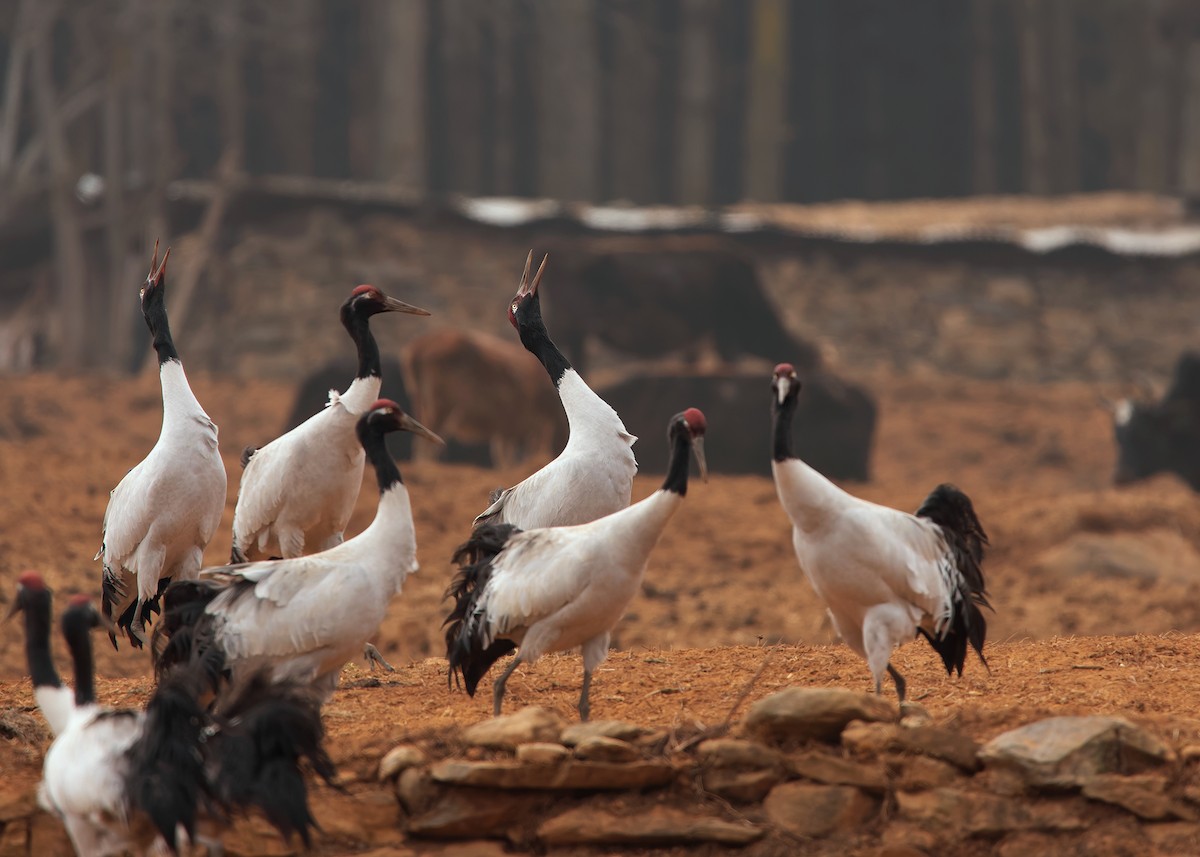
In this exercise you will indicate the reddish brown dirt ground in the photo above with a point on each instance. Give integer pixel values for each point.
(722, 591)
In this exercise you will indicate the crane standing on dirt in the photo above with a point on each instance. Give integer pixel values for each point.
(884, 575)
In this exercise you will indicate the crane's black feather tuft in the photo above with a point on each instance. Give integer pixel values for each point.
(186, 634)
(247, 454)
(468, 657)
(953, 512)
(266, 733)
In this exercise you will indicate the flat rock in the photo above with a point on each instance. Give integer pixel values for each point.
(399, 758)
(601, 748)
(945, 744)
(832, 770)
(1174, 837)
(736, 753)
(542, 753)
(1063, 752)
(506, 732)
(416, 790)
(869, 739)
(473, 814)
(982, 814)
(572, 774)
(738, 786)
(918, 773)
(815, 811)
(1145, 796)
(803, 713)
(619, 729)
(655, 826)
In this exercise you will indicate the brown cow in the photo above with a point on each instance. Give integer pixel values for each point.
(480, 389)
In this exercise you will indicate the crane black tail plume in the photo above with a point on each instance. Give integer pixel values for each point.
(166, 778)
(953, 512)
(247, 454)
(464, 643)
(186, 635)
(266, 733)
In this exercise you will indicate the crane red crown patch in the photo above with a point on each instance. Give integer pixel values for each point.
(695, 420)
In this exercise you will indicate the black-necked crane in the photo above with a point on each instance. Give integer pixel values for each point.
(303, 618)
(593, 475)
(552, 589)
(298, 491)
(884, 575)
(145, 781)
(161, 516)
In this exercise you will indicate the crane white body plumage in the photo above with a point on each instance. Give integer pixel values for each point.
(298, 491)
(592, 476)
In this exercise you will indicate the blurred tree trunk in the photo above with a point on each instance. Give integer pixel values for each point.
(160, 50)
(14, 85)
(765, 118)
(1154, 114)
(510, 105)
(983, 97)
(697, 96)
(568, 96)
(460, 59)
(1062, 63)
(1189, 147)
(631, 92)
(1034, 145)
(402, 43)
(120, 293)
(69, 256)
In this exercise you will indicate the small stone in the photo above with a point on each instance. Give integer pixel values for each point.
(832, 770)
(473, 814)
(914, 714)
(803, 713)
(1144, 796)
(869, 739)
(981, 814)
(658, 825)
(1190, 753)
(599, 748)
(416, 790)
(945, 744)
(542, 753)
(740, 786)
(918, 773)
(817, 811)
(1063, 752)
(619, 729)
(736, 753)
(400, 758)
(506, 732)
(572, 774)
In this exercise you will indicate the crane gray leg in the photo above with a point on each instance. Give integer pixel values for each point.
(498, 687)
(585, 705)
(901, 684)
(373, 657)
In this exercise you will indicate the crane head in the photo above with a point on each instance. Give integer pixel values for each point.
(368, 301)
(694, 423)
(527, 292)
(157, 275)
(785, 384)
(29, 584)
(386, 416)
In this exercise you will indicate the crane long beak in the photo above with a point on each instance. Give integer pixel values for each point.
(409, 424)
(393, 305)
(13, 610)
(698, 451)
(782, 385)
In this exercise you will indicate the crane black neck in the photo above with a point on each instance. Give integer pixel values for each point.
(155, 313)
(373, 440)
(77, 629)
(37, 639)
(537, 342)
(358, 325)
(677, 468)
(782, 448)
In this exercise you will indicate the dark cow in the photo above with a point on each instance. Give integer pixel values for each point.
(1157, 437)
(835, 421)
(313, 393)
(654, 303)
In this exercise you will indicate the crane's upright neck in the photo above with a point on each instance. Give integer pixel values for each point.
(587, 413)
(676, 480)
(180, 405)
(387, 474)
(37, 640)
(537, 341)
(358, 325)
(77, 630)
(154, 310)
(808, 497)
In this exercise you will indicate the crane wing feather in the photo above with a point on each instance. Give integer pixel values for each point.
(537, 574)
